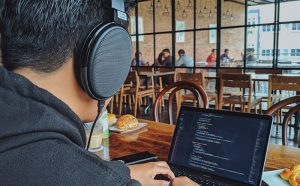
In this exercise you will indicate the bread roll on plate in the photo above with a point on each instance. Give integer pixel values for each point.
(295, 178)
(127, 122)
(288, 172)
(111, 119)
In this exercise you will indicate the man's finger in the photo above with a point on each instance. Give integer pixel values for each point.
(163, 170)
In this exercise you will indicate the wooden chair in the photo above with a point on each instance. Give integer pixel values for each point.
(281, 83)
(264, 71)
(199, 79)
(137, 91)
(242, 81)
(288, 116)
(197, 90)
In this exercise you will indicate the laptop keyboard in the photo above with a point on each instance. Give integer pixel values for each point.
(198, 179)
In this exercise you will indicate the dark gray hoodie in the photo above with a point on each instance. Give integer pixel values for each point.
(42, 141)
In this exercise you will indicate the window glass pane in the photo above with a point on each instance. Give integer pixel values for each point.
(146, 17)
(259, 47)
(163, 15)
(164, 41)
(184, 49)
(146, 48)
(233, 13)
(206, 41)
(261, 12)
(232, 47)
(132, 25)
(289, 10)
(206, 14)
(184, 14)
(289, 45)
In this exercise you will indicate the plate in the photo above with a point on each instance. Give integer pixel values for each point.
(115, 129)
(272, 178)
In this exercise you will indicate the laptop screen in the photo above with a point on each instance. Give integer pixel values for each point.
(226, 144)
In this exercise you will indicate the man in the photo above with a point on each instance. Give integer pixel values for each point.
(184, 60)
(166, 58)
(225, 56)
(211, 59)
(141, 61)
(42, 138)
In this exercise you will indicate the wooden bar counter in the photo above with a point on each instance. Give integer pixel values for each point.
(156, 138)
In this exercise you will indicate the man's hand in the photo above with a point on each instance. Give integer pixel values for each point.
(145, 173)
(183, 181)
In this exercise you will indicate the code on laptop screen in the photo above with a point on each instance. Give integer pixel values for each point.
(229, 146)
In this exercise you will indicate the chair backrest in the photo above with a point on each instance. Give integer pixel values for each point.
(241, 81)
(197, 78)
(288, 116)
(229, 71)
(280, 82)
(198, 91)
(268, 71)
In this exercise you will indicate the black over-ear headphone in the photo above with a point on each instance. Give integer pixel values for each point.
(105, 58)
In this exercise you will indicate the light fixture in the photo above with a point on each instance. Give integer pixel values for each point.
(178, 6)
(215, 11)
(210, 13)
(204, 10)
(151, 7)
(184, 15)
(231, 17)
(200, 15)
(227, 13)
(190, 5)
(158, 4)
(223, 16)
(166, 11)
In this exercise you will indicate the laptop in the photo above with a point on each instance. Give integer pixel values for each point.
(214, 147)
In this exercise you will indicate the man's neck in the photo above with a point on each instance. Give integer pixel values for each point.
(63, 84)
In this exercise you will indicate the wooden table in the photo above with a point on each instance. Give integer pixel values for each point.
(156, 138)
(156, 74)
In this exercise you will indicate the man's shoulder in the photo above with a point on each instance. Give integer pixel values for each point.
(53, 162)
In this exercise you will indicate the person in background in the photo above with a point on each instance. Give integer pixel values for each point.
(211, 59)
(184, 60)
(166, 58)
(141, 60)
(43, 106)
(250, 57)
(224, 58)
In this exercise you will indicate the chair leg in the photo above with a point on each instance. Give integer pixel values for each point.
(135, 105)
(216, 103)
(129, 102)
(120, 104)
(112, 105)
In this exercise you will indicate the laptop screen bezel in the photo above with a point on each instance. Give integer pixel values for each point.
(257, 116)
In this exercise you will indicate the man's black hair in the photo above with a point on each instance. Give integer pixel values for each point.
(226, 50)
(181, 52)
(213, 50)
(43, 34)
(166, 50)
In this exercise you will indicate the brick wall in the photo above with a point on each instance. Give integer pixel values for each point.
(230, 38)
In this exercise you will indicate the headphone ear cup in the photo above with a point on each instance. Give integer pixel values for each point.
(105, 61)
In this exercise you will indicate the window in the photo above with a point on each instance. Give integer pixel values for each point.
(263, 52)
(285, 52)
(293, 52)
(268, 52)
(295, 26)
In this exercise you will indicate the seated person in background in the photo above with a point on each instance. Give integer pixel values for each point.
(184, 60)
(211, 59)
(165, 59)
(141, 61)
(250, 55)
(159, 59)
(224, 58)
(43, 105)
